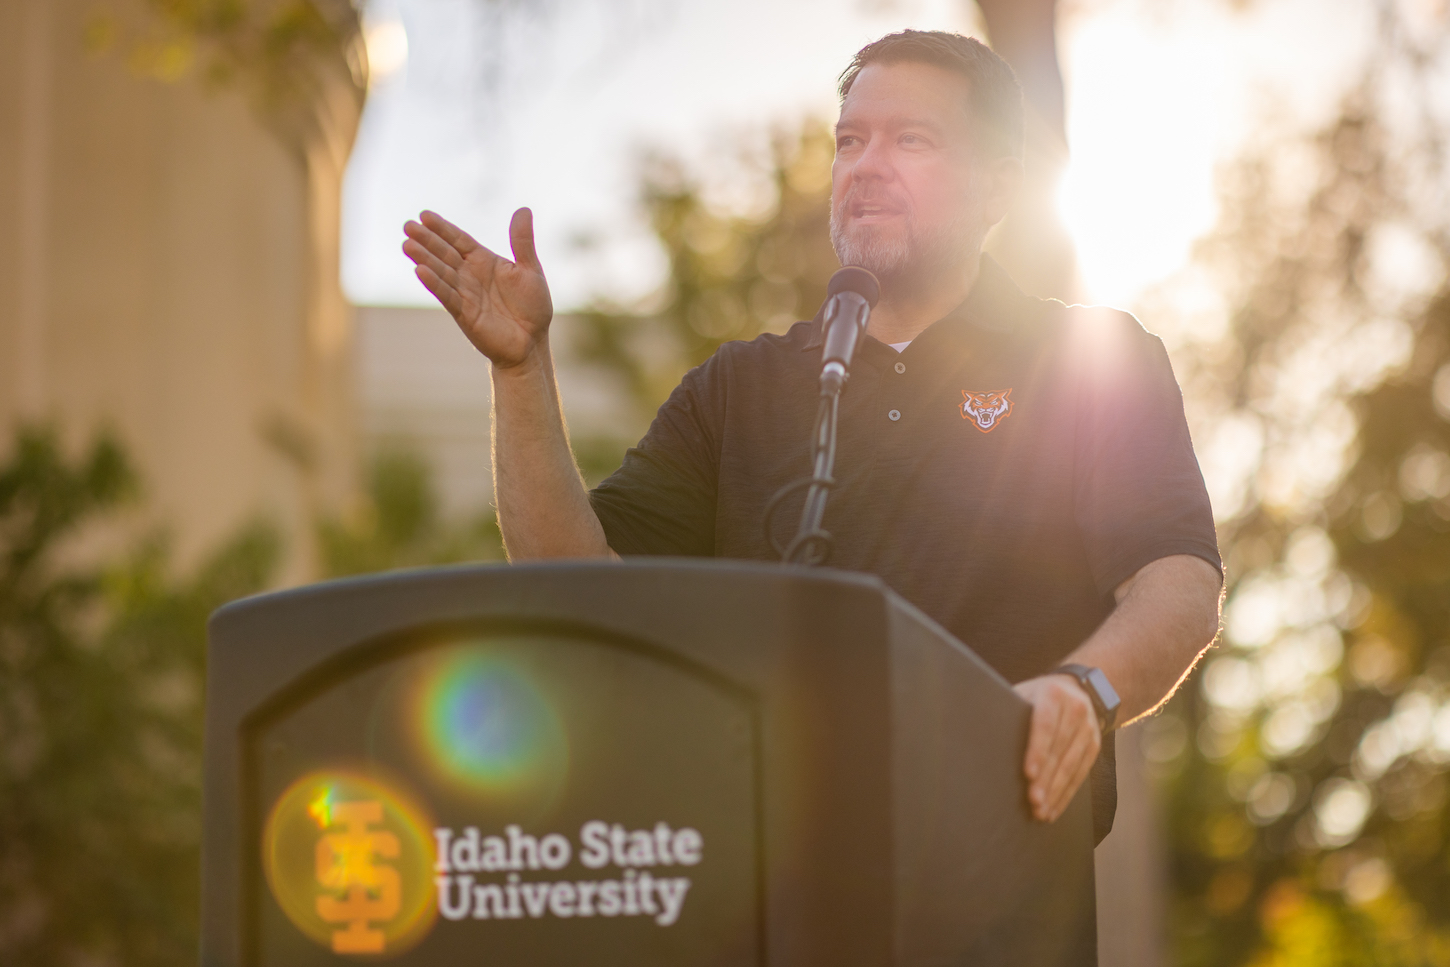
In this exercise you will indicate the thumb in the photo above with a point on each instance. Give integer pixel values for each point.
(521, 239)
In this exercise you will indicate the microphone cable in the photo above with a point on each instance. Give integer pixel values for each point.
(811, 544)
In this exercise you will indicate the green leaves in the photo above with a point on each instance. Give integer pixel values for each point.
(733, 273)
(1310, 808)
(102, 664)
(397, 523)
(292, 57)
(100, 713)
(42, 496)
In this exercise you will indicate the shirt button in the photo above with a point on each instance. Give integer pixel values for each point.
(901, 367)
(894, 415)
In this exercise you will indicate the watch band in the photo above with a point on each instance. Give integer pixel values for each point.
(1104, 697)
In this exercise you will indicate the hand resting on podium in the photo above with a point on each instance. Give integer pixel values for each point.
(1164, 615)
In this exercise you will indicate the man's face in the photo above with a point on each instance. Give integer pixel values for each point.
(908, 188)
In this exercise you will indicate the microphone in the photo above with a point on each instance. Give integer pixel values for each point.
(850, 297)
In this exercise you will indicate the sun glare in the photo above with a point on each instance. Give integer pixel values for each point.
(1157, 98)
(1145, 120)
(387, 46)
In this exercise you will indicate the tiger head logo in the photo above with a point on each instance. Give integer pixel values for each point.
(986, 410)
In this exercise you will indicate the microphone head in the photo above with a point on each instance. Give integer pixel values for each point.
(855, 279)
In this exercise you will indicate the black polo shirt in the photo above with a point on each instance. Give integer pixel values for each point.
(1005, 473)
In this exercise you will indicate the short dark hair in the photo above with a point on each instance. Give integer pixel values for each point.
(996, 97)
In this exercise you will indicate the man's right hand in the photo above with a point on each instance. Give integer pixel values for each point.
(502, 307)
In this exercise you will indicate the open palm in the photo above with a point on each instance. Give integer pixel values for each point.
(502, 307)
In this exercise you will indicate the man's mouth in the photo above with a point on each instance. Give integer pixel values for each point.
(867, 211)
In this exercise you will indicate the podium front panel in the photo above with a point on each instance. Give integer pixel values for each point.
(656, 762)
(521, 798)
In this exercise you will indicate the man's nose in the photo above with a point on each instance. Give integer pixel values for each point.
(874, 162)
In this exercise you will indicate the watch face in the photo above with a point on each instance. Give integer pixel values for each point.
(1104, 688)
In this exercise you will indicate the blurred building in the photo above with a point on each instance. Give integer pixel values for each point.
(422, 388)
(168, 258)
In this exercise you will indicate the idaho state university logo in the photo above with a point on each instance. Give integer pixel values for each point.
(987, 410)
(350, 862)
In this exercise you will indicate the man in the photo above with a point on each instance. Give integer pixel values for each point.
(1019, 470)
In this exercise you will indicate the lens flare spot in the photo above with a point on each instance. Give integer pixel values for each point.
(320, 808)
(487, 726)
(350, 861)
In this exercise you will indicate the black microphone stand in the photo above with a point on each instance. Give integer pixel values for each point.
(812, 544)
(852, 290)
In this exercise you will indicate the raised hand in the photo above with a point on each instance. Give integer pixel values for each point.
(502, 307)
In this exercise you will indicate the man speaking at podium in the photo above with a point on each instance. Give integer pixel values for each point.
(1019, 470)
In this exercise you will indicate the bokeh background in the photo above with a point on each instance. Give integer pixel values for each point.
(217, 376)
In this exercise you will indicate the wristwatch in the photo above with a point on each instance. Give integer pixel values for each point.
(1105, 700)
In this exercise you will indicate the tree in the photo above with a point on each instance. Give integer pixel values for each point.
(100, 717)
(731, 276)
(397, 524)
(302, 62)
(101, 672)
(1306, 768)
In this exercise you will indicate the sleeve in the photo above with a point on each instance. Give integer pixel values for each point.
(661, 500)
(1139, 493)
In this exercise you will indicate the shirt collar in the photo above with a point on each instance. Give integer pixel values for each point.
(989, 306)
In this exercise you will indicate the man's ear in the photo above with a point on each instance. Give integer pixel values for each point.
(1004, 182)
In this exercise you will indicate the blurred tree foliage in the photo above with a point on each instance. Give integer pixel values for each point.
(100, 718)
(731, 276)
(1306, 768)
(290, 56)
(398, 524)
(271, 39)
(101, 671)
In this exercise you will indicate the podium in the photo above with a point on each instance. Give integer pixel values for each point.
(655, 762)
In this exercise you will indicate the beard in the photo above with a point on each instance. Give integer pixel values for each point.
(916, 253)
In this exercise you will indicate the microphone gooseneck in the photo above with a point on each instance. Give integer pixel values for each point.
(850, 297)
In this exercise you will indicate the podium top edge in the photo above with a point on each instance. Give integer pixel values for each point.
(653, 566)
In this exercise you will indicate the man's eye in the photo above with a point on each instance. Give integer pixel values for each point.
(912, 139)
(845, 141)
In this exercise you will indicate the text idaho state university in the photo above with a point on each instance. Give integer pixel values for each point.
(639, 891)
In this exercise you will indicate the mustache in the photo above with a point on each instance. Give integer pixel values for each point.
(855, 196)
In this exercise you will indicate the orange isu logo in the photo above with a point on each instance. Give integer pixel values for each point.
(347, 863)
(350, 860)
(986, 410)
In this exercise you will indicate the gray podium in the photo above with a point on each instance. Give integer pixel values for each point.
(671, 762)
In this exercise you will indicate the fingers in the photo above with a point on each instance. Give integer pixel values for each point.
(521, 240)
(426, 238)
(1040, 734)
(1049, 736)
(1073, 766)
(422, 256)
(1063, 741)
(451, 233)
(442, 291)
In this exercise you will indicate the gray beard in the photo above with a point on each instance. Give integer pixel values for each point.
(916, 254)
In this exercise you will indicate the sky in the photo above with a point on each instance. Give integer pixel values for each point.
(474, 112)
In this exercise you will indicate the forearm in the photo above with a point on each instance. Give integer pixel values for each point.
(1166, 617)
(543, 508)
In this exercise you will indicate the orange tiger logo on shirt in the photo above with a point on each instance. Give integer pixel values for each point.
(987, 410)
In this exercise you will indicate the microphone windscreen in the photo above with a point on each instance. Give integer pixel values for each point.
(855, 279)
